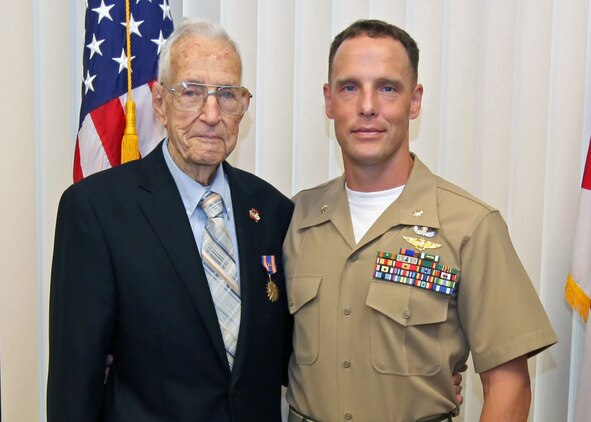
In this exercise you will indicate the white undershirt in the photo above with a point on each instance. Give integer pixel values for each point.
(366, 207)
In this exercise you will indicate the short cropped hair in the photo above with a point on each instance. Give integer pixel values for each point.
(375, 28)
(190, 27)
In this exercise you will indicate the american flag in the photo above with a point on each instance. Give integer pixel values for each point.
(578, 291)
(104, 85)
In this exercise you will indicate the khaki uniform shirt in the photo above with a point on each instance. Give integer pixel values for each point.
(368, 349)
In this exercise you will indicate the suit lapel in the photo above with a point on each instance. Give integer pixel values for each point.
(163, 207)
(243, 200)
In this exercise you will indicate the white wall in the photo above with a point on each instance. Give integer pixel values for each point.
(506, 114)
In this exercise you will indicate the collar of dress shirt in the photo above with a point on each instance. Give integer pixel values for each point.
(191, 191)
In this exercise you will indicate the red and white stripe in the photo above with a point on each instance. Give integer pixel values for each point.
(98, 144)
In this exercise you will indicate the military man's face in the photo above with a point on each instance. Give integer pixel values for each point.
(371, 96)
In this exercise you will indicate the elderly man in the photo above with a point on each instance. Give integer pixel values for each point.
(173, 265)
(395, 275)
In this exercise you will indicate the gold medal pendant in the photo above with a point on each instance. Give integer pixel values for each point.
(272, 291)
(268, 262)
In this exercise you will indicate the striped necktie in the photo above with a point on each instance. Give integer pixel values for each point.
(217, 254)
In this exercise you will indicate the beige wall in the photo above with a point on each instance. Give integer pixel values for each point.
(35, 167)
(19, 311)
(506, 114)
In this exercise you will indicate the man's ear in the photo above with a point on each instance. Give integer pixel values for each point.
(415, 102)
(327, 100)
(158, 103)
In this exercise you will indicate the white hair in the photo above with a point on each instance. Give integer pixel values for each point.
(191, 27)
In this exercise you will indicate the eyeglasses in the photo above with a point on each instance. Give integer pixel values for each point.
(191, 96)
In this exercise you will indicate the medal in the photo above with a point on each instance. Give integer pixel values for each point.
(272, 291)
(271, 268)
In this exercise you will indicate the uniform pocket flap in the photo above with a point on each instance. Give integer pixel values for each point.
(301, 289)
(407, 305)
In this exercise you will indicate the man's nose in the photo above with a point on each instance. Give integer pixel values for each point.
(367, 102)
(210, 112)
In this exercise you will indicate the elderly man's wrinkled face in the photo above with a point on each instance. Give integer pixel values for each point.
(199, 141)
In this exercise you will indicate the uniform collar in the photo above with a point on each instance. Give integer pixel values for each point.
(416, 206)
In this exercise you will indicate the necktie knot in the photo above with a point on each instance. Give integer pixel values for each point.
(212, 204)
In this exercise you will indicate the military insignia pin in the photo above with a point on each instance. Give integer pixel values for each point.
(421, 244)
(271, 268)
(417, 213)
(254, 215)
(424, 231)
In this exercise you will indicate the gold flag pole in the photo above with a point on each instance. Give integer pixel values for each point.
(129, 144)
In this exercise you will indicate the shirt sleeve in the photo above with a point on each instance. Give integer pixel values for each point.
(499, 308)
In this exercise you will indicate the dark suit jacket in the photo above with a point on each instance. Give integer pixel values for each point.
(127, 279)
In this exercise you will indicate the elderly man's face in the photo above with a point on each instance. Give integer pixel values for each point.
(199, 141)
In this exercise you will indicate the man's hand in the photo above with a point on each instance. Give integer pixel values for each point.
(457, 381)
(507, 392)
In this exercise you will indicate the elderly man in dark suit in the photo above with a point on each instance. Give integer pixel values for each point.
(172, 265)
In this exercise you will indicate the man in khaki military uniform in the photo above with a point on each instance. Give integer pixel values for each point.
(395, 275)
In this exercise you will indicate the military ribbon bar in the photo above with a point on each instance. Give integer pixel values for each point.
(271, 268)
(417, 269)
(269, 264)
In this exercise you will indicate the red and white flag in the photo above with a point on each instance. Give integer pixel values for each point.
(578, 290)
(104, 86)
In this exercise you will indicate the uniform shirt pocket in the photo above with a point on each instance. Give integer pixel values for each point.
(404, 328)
(302, 293)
